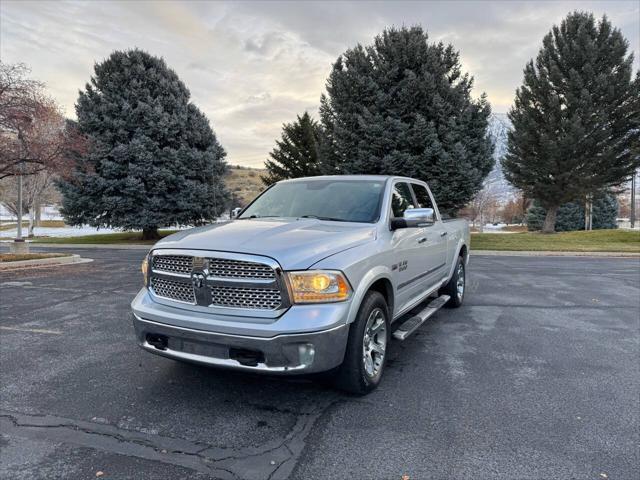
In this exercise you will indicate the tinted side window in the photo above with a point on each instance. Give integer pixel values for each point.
(422, 196)
(401, 199)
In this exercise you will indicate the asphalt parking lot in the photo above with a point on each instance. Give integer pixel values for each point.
(536, 376)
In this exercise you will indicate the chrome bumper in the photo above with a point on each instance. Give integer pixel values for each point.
(282, 354)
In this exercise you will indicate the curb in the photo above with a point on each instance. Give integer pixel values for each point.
(546, 253)
(44, 262)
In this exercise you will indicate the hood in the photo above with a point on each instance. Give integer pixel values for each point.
(295, 244)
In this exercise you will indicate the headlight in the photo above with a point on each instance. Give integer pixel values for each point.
(145, 269)
(318, 286)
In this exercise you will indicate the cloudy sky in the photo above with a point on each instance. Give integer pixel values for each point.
(251, 66)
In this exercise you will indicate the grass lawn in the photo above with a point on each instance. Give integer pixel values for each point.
(104, 238)
(581, 241)
(594, 241)
(16, 257)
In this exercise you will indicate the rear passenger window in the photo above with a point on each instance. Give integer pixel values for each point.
(422, 196)
(401, 199)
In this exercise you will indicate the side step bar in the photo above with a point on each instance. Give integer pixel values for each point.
(411, 325)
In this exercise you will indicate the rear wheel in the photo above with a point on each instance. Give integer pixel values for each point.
(365, 356)
(456, 286)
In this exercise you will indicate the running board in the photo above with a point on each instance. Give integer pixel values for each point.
(411, 325)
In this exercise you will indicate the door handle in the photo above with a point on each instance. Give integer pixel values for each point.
(422, 239)
(443, 234)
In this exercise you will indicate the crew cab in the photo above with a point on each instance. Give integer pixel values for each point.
(315, 275)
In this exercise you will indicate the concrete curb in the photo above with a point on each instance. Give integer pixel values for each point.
(44, 262)
(127, 246)
(544, 253)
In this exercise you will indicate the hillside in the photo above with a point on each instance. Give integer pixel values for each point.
(244, 183)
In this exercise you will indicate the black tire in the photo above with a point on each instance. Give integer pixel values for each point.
(352, 376)
(451, 288)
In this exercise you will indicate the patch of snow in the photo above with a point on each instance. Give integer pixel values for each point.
(59, 231)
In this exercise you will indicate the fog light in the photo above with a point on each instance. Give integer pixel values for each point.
(306, 352)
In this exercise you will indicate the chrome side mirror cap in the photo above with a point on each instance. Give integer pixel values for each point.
(414, 218)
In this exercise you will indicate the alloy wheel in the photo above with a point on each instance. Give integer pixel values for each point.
(460, 282)
(374, 343)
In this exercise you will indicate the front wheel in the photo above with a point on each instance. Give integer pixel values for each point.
(456, 286)
(365, 356)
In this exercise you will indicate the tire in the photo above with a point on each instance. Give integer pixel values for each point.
(358, 375)
(456, 288)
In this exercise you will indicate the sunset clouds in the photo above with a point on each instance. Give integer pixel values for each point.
(252, 66)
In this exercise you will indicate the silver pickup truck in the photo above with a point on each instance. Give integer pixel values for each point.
(315, 275)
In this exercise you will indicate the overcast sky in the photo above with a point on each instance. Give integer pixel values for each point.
(252, 66)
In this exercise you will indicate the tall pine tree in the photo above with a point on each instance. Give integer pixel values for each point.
(576, 125)
(296, 153)
(402, 106)
(153, 158)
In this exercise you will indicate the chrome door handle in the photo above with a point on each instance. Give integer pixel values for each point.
(443, 234)
(422, 239)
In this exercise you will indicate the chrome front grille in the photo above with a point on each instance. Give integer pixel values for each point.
(258, 298)
(222, 267)
(173, 263)
(211, 281)
(173, 290)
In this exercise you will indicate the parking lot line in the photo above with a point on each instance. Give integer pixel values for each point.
(31, 330)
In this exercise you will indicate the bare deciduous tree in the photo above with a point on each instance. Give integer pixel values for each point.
(37, 189)
(483, 207)
(33, 132)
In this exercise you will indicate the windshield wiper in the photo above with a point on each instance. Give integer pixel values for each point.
(330, 219)
(258, 216)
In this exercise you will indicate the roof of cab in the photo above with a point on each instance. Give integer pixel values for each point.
(341, 177)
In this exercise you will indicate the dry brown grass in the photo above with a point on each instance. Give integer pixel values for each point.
(515, 228)
(43, 223)
(16, 257)
(245, 183)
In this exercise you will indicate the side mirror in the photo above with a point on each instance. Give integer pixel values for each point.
(413, 218)
(235, 212)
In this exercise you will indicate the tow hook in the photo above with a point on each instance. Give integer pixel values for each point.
(249, 358)
(157, 341)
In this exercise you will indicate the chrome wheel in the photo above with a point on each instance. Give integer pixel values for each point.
(374, 343)
(460, 282)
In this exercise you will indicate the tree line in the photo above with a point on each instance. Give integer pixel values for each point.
(141, 155)
(402, 106)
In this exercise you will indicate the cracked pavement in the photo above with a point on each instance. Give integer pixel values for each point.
(536, 376)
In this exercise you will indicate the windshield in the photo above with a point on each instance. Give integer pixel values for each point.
(337, 200)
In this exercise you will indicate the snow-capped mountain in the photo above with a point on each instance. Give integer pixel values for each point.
(499, 126)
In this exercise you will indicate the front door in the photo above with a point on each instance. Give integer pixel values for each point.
(406, 244)
(433, 255)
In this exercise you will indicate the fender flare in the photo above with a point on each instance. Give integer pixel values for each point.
(459, 247)
(377, 273)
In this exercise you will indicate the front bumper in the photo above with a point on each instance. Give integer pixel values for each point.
(289, 353)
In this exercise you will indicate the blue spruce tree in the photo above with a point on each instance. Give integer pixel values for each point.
(153, 158)
(402, 106)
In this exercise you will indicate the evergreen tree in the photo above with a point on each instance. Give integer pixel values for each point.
(605, 212)
(570, 216)
(402, 106)
(576, 116)
(296, 154)
(153, 159)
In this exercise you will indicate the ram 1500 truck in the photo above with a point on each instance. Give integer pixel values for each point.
(315, 275)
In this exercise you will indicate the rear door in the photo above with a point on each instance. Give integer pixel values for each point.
(433, 251)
